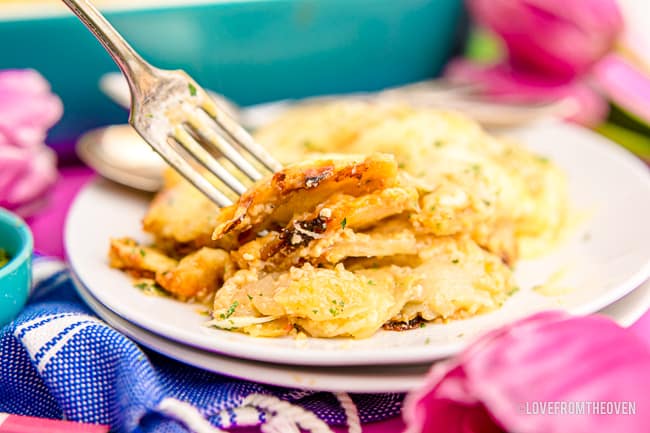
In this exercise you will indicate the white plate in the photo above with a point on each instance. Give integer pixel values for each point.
(356, 379)
(600, 268)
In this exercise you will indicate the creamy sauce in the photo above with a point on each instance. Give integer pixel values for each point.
(554, 285)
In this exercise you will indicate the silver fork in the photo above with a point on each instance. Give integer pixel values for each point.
(180, 121)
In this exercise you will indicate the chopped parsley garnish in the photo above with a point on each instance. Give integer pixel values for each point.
(4, 258)
(487, 202)
(455, 261)
(309, 145)
(423, 325)
(143, 252)
(231, 310)
(432, 208)
(344, 223)
(401, 165)
(439, 143)
(314, 311)
(334, 311)
(192, 89)
(513, 291)
(371, 282)
(149, 287)
(543, 159)
(250, 298)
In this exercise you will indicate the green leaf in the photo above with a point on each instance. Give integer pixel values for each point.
(635, 142)
(484, 46)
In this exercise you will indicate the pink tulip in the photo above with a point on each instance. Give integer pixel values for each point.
(27, 110)
(25, 175)
(504, 83)
(549, 360)
(559, 38)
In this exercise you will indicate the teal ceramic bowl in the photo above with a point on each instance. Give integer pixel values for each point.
(15, 276)
(253, 51)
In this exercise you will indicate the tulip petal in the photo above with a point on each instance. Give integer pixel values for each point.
(504, 83)
(27, 166)
(25, 175)
(552, 37)
(625, 85)
(546, 358)
(27, 108)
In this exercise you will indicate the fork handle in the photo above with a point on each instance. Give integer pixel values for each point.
(136, 70)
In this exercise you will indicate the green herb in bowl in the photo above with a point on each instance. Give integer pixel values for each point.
(4, 258)
(16, 248)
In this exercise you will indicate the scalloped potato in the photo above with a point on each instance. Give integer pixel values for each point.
(384, 216)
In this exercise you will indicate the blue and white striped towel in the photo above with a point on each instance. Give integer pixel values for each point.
(58, 360)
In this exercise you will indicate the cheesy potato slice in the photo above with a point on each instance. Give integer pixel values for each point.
(451, 278)
(196, 276)
(301, 186)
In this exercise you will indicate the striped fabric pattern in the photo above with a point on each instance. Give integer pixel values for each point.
(58, 360)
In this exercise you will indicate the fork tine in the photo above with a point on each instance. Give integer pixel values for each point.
(240, 135)
(179, 162)
(205, 127)
(201, 155)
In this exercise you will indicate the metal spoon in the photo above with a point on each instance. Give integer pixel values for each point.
(119, 153)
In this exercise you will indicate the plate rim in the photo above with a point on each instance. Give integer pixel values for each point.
(208, 360)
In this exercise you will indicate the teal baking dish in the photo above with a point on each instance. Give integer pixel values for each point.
(251, 50)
